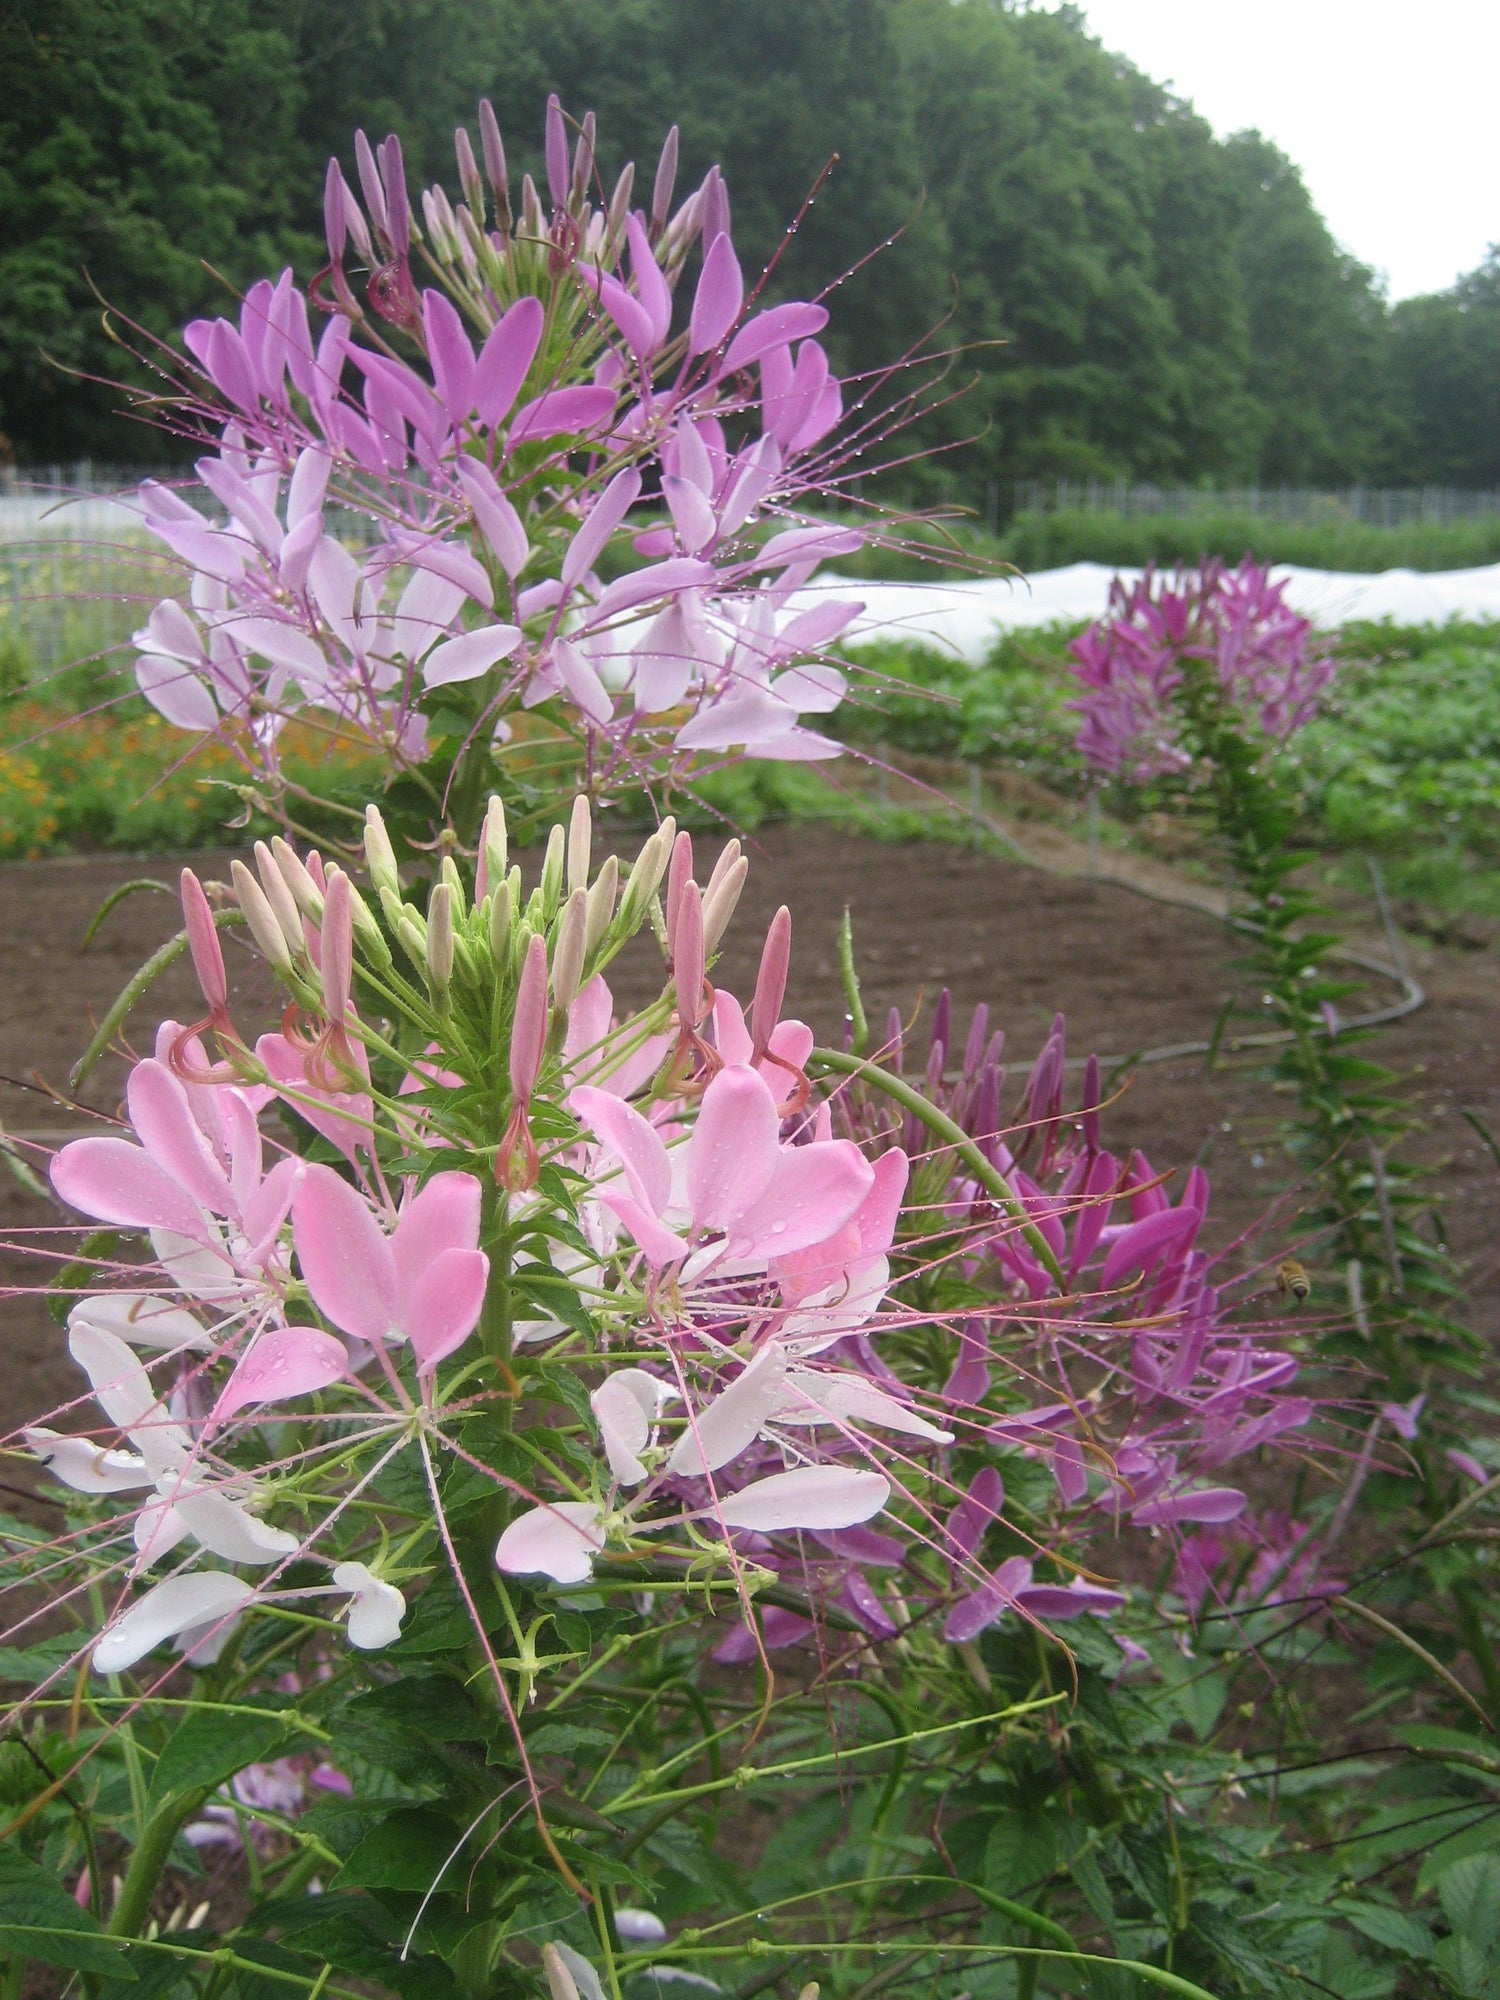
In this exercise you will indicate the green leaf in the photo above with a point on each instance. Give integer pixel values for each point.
(407, 1851)
(1392, 1929)
(1469, 1892)
(355, 1934)
(40, 1920)
(1464, 1965)
(432, 1705)
(211, 1744)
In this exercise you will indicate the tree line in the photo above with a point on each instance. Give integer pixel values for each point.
(1128, 295)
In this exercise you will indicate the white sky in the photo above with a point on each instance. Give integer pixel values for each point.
(1392, 111)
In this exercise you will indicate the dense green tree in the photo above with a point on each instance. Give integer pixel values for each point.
(1123, 293)
(1446, 363)
(140, 141)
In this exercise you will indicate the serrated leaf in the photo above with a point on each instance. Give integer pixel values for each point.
(355, 1934)
(1469, 1892)
(40, 1920)
(432, 1705)
(1393, 1929)
(1464, 1965)
(210, 1745)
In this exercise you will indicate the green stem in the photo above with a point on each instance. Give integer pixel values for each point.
(952, 1134)
(147, 1864)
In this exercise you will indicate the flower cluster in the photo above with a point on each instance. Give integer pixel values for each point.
(1138, 661)
(513, 382)
(675, 1296)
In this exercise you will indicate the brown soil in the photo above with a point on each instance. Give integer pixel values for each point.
(1130, 973)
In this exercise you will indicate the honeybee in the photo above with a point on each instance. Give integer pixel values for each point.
(1293, 1280)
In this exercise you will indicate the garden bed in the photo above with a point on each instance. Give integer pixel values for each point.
(1130, 972)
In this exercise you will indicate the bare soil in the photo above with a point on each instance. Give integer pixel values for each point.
(1129, 972)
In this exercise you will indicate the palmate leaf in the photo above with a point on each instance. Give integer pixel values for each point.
(40, 1920)
(210, 1745)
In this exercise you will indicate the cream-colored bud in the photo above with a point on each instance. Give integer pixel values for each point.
(602, 902)
(552, 872)
(560, 1982)
(440, 940)
(495, 843)
(645, 877)
(367, 930)
(261, 918)
(580, 843)
(568, 950)
(411, 935)
(380, 856)
(729, 855)
(305, 891)
(719, 902)
(281, 899)
(449, 873)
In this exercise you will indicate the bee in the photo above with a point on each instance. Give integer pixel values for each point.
(1292, 1280)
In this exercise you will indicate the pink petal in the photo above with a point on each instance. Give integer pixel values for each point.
(346, 1261)
(606, 514)
(972, 1614)
(651, 287)
(115, 1181)
(813, 1496)
(853, 1399)
(343, 1117)
(733, 1152)
(658, 1243)
(498, 520)
(1140, 1246)
(444, 1305)
(176, 693)
(581, 409)
(625, 1405)
(559, 1541)
(776, 328)
(505, 357)
(470, 655)
(291, 1361)
(717, 301)
(1210, 1503)
(735, 1416)
(622, 1130)
(815, 1190)
(449, 352)
(164, 1122)
(442, 1215)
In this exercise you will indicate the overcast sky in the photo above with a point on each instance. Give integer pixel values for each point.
(1391, 111)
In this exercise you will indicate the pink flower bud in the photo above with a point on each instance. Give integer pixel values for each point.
(337, 947)
(556, 151)
(666, 180)
(528, 1034)
(203, 943)
(679, 871)
(687, 955)
(770, 984)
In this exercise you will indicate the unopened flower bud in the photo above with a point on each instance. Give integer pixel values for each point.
(679, 872)
(528, 1035)
(666, 180)
(568, 950)
(299, 879)
(440, 941)
(688, 955)
(283, 904)
(720, 900)
(380, 856)
(449, 874)
(411, 932)
(367, 930)
(494, 851)
(641, 884)
(602, 903)
(468, 172)
(561, 1984)
(203, 943)
(619, 201)
(552, 873)
(261, 918)
(770, 984)
(580, 843)
(337, 942)
(501, 916)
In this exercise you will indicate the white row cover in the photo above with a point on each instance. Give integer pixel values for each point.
(965, 618)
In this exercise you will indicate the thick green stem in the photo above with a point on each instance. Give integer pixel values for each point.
(952, 1134)
(147, 1864)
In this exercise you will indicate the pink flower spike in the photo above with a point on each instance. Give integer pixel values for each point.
(717, 301)
(812, 1496)
(203, 943)
(290, 1361)
(770, 983)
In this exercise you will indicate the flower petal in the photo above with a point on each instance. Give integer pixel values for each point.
(559, 1541)
(289, 1361)
(812, 1496)
(734, 1418)
(348, 1265)
(180, 1604)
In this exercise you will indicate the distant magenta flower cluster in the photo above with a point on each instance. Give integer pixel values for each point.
(454, 1178)
(1135, 664)
(514, 381)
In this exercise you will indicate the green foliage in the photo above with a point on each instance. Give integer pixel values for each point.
(1051, 540)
